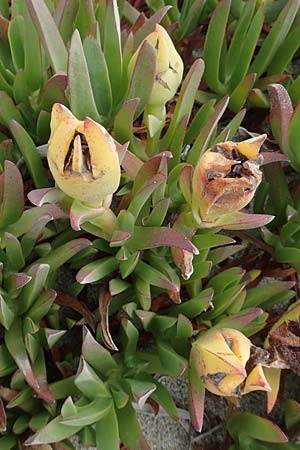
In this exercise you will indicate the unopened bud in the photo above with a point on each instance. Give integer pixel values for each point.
(82, 157)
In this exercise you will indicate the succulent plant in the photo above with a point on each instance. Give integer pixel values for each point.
(237, 71)
(149, 172)
(250, 431)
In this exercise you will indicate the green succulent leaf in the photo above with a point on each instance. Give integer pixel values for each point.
(11, 187)
(255, 427)
(30, 154)
(82, 99)
(108, 440)
(49, 33)
(213, 46)
(99, 75)
(143, 76)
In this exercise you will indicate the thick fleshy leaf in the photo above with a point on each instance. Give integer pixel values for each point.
(11, 186)
(151, 237)
(143, 77)
(99, 75)
(88, 414)
(15, 344)
(130, 432)
(96, 355)
(213, 46)
(196, 395)
(30, 154)
(81, 94)
(42, 305)
(63, 253)
(281, 114)
(185, 100)
(8, 110)
(97, 270)
(54, 91)
(54, 431)
(239, 320)
(195, 306)
(275, 38)
(149, 25)
(202, 140)
(38, 274)
(239, 221)
(6, 314)
(88, 382)
(30, 216)
(260, 294)
(255, 427)
(240, 94)
(51, 37)
(80, 213)
(272, 375)
(107, 431)
(155, 277)
(110, 33)
(64, 16)
(173, 364)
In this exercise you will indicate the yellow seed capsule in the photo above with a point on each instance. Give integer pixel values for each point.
(226, 178)
(169, 67)
(220, 357)
(82, 157)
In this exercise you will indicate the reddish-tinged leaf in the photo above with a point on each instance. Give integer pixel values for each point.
(272, 375)
(38, 273)
(239, 221)
(196, 395)
(17, 281)
(60, 255)
(104, 301)
(16, 347)
(185, 183)
(255, 427)
(71, 302)
(258, 99)
(4, 23)
(30, 216)
(130, 163)
(281, 114)
(239, 320)
(97, 270)
(263, 83)
(149, 25)
(151, 237)
(270, 157)
(80, 213)
(54, 91)
(46, 195)
(11, 186)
